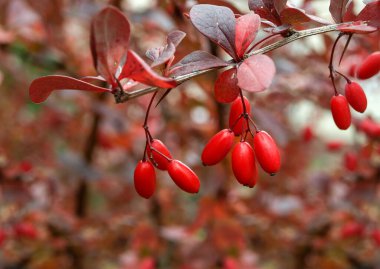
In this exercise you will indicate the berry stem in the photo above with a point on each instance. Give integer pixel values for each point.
(344, 76)
(331, 65)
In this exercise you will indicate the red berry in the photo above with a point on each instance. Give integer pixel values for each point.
(235, 112)
(369, 67)
(369, 127)
(356, 96)
(3, 236)
(351, 161)
(145, 179)
(340, 111)
(218, 147)
(183, 176)
(334, 145)
(352, 229)
(307, 134)
(267, 152)
(244, 164)
(375, 234)
(26, 230)
(157, 159)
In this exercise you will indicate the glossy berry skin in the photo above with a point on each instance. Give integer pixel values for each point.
(145, 179)
(340, 111)
(244, 164)
(369, 67)
(157, 159)
(218, 147)
(235, 112)
(267, 152)
(356, 96)
(183, 176)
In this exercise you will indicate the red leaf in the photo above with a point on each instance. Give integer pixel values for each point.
(357, 27)
(41, 88)
(223, 3)
(279, 5)
(110, 32)
(371, 13)
(338, 8)
(294, 16)
(226, 89)
(196, 61)
(265, 9)
(256, 73)
(350, 15)
(162, 55)
(135, 68)
(217, 23)
(175, 37)
(247, 27)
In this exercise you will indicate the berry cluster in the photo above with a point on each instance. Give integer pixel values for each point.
(157, 155)
(354, 94)
(244, 156)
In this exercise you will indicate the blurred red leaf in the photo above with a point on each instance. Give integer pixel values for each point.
(358, 27)
(110, 32)
(371, 13)
(279, 5)
(294, 16)
(41, 88)
(226, 89)
(337, 9)
(196, 61)
(217, 23)
(135, 68)
(256, 73)
(265, 9)
(247, 27)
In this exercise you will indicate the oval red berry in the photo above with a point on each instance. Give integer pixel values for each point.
(267, 152)
(356, 96)
(244, 164)
(351, 161)
(183, 176)
(218, 147)
(340, 111)
(145, 179)
(369, 67)
(156, 158)
(238, 126)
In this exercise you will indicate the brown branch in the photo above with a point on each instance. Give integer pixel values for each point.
(121, 96)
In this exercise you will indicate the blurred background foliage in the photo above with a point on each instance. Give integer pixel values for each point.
(66, 166)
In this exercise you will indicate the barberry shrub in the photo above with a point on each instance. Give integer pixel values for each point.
(249, 70)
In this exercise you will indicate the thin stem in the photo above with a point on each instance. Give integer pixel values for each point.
(262, 41)
(123, 96)
(331, 65)
(344, 76)
(148, 110)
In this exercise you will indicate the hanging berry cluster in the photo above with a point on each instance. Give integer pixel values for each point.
(243, 158)
(121, 70)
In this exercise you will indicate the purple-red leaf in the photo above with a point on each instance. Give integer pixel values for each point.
(338, 8)
(165, 55)
(135, 68)
(357, 27)
(196, 61)
(371, 13)
(256, 73)
(279, 5)
(110, 32)
(41, 88)
(217, 23)
(265, 9)
(175, 37)
(294, 16)
(226, 89)
(247, 27)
